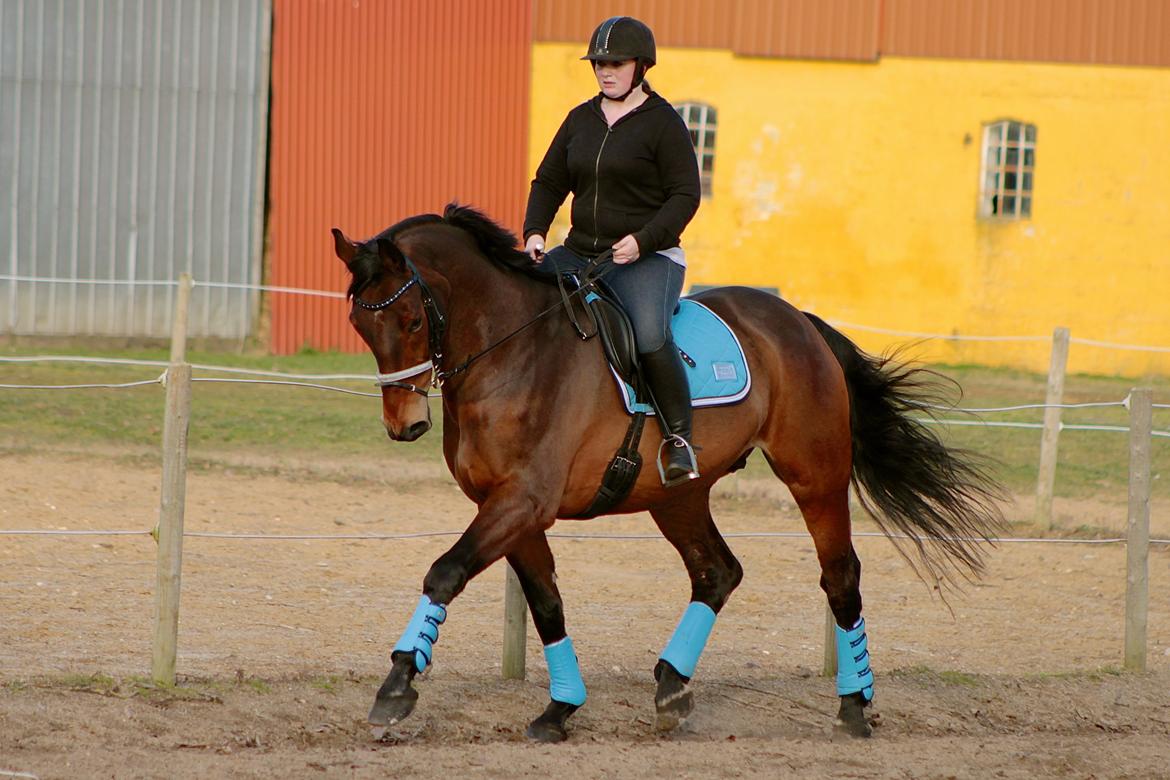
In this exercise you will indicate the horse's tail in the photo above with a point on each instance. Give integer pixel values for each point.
(943, 500)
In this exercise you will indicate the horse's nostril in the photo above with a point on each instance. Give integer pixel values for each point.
(416, 430)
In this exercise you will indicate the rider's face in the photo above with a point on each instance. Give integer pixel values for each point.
(614, 77)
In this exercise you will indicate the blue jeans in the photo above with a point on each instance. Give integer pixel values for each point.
(647, 288)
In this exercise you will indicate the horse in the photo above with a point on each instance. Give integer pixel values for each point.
(530, 418)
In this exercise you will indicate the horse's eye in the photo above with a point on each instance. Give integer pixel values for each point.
(415, 325)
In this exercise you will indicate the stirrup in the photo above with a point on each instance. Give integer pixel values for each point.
(674, 440)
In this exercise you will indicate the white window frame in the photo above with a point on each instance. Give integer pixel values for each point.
(702, 121)
(1006, 186)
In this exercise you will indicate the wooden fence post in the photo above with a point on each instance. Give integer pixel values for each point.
(1046, 481)
(169, 532)
(830, 642)
(515, 627)
(1137, 547)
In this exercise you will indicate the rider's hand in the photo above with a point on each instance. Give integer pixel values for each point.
(534, 246)
(626, 251)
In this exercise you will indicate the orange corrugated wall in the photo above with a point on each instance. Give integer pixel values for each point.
(380, 110)
(808, 29)
(1114, 32)
(699, 23)
(1107, 32)
(829, 29)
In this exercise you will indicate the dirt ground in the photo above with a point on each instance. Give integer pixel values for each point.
(283, 643)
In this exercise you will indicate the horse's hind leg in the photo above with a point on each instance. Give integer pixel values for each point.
(533, 562)
(714, 571)
(827, 518)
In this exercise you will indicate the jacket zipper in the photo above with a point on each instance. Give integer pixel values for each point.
(597, 187)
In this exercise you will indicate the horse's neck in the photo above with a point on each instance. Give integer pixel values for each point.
(483, 304)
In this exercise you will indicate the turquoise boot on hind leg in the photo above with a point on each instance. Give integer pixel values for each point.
(674, 700)
(854, 679)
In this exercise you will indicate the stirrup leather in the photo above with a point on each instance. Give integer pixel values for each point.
(675, 440)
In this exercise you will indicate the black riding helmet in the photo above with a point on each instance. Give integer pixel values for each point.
(624, 38)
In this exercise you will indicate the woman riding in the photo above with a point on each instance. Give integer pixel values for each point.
(626, 155)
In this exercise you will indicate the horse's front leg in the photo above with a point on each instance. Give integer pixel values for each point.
(502, 519)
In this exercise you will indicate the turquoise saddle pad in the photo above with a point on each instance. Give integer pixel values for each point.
(720, 375)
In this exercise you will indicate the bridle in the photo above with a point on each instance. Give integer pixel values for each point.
(436, 328)
(437, 325)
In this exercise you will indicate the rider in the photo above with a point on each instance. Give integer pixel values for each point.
(626, 155)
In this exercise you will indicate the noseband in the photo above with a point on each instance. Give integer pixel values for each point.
(436, 327)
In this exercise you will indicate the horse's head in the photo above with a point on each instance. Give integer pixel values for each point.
(388, 312)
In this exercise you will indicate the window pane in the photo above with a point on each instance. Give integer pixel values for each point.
(695, 137)
(710, 136)
(992, 181)
(1013, 132)
(1029, 157)
(711, 115)
(1009, 205)
(1026, 207)
(708, 163)
(1009, 182)
(1030, 133)
(994, 133)
(1012, 157)
(1027, 182)
(993, 156)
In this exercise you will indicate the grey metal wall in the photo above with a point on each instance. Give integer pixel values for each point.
(132, 143)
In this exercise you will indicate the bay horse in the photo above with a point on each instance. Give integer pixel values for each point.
(531, 417)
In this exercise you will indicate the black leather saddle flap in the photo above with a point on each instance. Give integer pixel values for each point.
(617, 335)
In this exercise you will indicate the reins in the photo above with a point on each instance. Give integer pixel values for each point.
(598, 267)
(437, 323)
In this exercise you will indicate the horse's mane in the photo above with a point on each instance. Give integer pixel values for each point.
(496, 243)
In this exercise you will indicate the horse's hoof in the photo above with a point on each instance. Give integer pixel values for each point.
(674, 711)
(388, 710)
(550, 726)
(673, 700)
(851, 718)
(543, 731)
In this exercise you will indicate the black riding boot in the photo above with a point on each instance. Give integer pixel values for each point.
(667, 379)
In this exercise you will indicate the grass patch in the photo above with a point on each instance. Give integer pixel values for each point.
(947, 676)
(120, 688)
(259, 686)
(329, 684)
(1093, 675)
(93, 683)
(16, 686)
(958, 678)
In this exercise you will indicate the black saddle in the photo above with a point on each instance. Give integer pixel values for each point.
(608, 321)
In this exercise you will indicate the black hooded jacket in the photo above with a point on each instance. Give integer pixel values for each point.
(639, 177)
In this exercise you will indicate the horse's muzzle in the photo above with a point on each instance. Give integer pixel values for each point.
(410, 434)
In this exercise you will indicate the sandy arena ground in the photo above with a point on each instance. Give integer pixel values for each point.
(283, 643)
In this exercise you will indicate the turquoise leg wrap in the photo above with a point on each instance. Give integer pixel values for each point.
(853, 672)
(685, 647)
(422, 632)
(564, 674)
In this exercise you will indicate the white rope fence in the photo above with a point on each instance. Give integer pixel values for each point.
(575, 537)
(172, 283)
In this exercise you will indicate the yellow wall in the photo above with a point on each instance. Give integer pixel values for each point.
(853, 188)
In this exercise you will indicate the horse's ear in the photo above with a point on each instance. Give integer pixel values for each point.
(345, 248)
(390, 252)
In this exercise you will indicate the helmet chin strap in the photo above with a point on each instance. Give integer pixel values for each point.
(639, 76)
